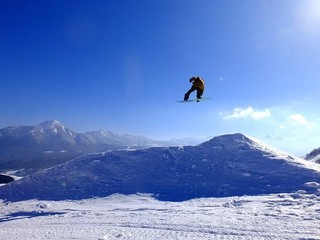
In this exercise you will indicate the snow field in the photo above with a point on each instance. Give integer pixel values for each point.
(275, 216)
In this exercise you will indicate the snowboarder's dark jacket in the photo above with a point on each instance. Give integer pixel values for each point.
(197, 82)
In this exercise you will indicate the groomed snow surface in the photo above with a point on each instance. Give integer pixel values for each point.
(139, 216)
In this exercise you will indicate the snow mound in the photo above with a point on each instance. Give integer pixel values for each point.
(313, 156)
(229, 165)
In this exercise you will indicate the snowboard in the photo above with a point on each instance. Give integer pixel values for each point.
(194, 100)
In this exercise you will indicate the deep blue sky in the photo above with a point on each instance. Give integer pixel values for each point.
(121, 65)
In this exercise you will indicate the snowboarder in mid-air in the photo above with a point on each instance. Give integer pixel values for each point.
(197, 85)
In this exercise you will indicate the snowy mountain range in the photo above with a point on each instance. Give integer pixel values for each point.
(34, 148)
(228, 165)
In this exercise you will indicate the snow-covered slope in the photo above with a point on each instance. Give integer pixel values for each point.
(313, 156)
(228, 165)
(140, 217)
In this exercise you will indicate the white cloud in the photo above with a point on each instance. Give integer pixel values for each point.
(300, 120)
(248, 112)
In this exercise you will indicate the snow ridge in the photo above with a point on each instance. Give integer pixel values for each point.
(229, 165)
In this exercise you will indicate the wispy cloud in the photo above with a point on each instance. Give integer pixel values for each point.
(300, 120)
(248, 112)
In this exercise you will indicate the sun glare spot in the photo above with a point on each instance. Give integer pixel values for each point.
(309, 15)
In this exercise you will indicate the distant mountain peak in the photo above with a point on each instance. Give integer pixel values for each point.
(51, 124)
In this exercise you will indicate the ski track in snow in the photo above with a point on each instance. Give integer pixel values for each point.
(275, 216)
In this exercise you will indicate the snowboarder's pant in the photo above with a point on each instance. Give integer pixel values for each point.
(193, 88)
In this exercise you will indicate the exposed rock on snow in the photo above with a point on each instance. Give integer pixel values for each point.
(5, 179)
